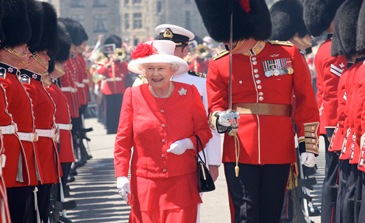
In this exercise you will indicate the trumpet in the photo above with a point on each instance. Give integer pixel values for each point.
(202, 51)
(97, 78)
(120, 53)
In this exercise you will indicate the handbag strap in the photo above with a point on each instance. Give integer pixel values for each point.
(199, 143)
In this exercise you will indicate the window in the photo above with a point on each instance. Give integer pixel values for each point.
(79, 18)
(100, 23)
(187, 20)
(99, 3)
(159, 7)
(126, 2)
(77, 3)
(126, 21)
(187, 1)
(137, 1)
(137, 20)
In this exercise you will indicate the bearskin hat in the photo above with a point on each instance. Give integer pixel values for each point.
(15, 24)
(49, 39)
(318, 14)
(64, 44)
(360, 36)
(345, 26)
(113, 39)
(251, 19)
(73, 30)
(35, 13)
(287, 19)
(2, 36)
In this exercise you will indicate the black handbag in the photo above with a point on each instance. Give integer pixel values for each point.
(205, 180)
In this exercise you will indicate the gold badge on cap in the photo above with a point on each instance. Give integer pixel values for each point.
(168, 33)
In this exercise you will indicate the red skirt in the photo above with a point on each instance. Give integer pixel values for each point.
(156, 195)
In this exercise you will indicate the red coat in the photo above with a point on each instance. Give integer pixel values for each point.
(85, 77)
(339, 133)
(116, 86)
(150, 125)
(44, 109)
(264, 139)
(78, 77)
(62, 116)
(13, 147)
(348, 145)
(20, 107)
(329, 70)
(69, 88)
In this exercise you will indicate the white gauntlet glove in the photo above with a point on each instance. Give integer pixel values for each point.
(227, 120)
(180, 146)
(123, 187)
(307, 159)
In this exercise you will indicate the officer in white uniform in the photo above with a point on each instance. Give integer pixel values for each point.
(181, 37)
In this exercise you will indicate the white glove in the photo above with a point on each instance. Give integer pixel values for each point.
(228, 118)
(123, 187)
(307, 159)
(180, 146)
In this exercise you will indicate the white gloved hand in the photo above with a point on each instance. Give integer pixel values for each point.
(123, 187)
(228, 118)
(180, 146)
(307, 159)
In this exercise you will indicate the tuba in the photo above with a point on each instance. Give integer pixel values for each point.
(120, 53)
(202, 51)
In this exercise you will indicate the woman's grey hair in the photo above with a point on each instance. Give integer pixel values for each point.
(173, 67)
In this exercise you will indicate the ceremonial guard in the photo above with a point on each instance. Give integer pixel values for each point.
(181, 38)
(288, 25)
(113, 85)
(258, 155)
(14, 55)
(318, 17)
(62, 115)
(44, 108)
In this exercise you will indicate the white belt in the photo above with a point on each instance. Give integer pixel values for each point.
(29, 137)
(49, 133)
(86, 81)
(113, 79)
(81, 85)
(68, 89)
(9, 129)
(64, 126)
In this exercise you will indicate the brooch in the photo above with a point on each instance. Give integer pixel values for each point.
(182, 91)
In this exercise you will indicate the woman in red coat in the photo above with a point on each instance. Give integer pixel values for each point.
(160, 120)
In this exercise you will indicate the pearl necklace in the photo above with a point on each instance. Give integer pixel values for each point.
(171, 89)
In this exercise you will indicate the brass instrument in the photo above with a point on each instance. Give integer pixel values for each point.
(202, 51)
(120, 53)
(97, 78)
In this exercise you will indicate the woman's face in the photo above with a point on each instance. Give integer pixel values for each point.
(158, 74)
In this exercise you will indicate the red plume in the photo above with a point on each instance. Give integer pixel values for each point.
(245, 5)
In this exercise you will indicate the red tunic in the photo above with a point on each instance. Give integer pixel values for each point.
(85, 77)
(114, 80)
(62, 116)
(44, 110)
(339, 133)
(150, 125)
(348, 145)
(264, 139)
(198, 65)
(69, 88)
(329, 70)
(20, 108)
(78, 77)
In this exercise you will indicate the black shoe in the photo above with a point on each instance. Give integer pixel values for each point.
(71, 179)
(314, 212)
(73, 172)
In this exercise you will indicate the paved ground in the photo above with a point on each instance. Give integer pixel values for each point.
(98, 201)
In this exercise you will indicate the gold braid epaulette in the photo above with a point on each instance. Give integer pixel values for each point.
(283, 43)
(197, 74)
(221, 54)
(311, 139)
